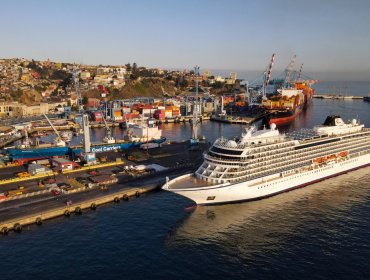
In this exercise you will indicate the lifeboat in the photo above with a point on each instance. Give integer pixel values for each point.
(319, 160)
(331, 157)
(343, 154)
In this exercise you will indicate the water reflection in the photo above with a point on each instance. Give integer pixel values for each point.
(264, 226)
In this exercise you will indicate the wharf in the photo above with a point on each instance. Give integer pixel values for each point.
(17, 215)
(238, 120)
(183, 119)
(37, 205)
(139, 120)
(48, 209)
(333, 96)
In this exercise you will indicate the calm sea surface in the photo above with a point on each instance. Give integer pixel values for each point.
(318, 232)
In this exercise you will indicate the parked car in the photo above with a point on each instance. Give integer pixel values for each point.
(55, 192)
(94, 172)
(64, 186)
(49, 180)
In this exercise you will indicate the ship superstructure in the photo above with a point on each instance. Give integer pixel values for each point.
(265, 162)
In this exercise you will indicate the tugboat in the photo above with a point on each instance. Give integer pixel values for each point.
(367, 98)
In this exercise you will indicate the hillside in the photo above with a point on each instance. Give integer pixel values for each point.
(142, 87)
(29, 97)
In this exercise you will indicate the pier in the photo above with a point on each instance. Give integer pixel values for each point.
(341, 97)
(38, 203)
(20, 219)
(246, 120)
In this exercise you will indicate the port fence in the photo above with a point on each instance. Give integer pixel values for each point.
(26, 195)
(37, 176)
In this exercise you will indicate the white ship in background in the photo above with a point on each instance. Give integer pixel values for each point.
(144, 132)
(264, 163)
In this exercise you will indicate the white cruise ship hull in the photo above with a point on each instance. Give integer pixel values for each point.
(266, 186)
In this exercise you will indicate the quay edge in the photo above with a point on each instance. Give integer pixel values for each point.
(16, 224)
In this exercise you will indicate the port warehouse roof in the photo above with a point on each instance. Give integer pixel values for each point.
(61, 160)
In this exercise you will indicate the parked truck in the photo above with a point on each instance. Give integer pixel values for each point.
(12, 193)
(23, 174)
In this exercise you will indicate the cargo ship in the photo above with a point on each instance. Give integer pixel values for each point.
(367, 98)
(288, 103)
(137, 135)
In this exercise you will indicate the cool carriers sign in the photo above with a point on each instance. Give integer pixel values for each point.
(105, 148)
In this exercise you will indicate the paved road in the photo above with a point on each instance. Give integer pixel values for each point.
(23, 207)
(169, 156)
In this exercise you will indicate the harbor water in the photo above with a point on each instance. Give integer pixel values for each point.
(317, 232)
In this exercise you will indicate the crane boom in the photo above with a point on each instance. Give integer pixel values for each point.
(109, 132)
(52, 126)
(267, 78)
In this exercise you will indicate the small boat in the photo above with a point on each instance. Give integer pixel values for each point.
(367, 98)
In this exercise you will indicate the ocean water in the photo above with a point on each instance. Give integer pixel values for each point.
(343, 88)
(318, 232)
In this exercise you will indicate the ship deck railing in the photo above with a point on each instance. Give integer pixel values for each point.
(188, 181)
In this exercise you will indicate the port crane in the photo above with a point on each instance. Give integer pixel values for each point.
(26, 142)
(300, 72)
(194, 139)
(268, 76)
(58, 140)
(76, 80)
(288, 71)
(108, 137)
(254, 88)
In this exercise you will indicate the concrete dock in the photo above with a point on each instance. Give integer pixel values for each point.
(246, 120)
(335, 96)
(21, 219)
(39, 205)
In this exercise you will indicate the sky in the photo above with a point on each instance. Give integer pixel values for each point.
(330, 37)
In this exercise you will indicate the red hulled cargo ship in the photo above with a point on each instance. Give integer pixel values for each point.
(289, 103)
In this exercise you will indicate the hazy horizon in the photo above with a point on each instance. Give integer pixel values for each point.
(329, 39)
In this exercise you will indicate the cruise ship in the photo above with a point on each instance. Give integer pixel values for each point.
(265, 162)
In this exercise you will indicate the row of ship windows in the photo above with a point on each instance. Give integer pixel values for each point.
(325, 168)
(267, 157)
(245, 172)
(262, 163)
(320, 148)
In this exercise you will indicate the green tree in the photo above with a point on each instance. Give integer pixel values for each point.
(134, 68)
(85, 99)
(128, 67)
